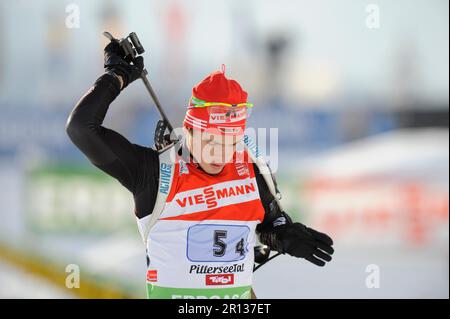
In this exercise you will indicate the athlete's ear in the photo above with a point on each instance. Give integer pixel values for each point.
(187, 130)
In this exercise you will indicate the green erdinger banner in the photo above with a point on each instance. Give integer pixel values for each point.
(76, 200)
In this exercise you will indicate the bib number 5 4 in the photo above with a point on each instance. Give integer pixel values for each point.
(208, 242)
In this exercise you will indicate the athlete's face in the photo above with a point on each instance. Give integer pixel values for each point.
(212, 151)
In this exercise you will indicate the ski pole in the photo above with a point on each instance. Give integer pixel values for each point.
(133, 47)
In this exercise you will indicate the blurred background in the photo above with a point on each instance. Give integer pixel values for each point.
(358, 91)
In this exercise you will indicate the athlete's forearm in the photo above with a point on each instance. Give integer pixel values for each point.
(105, 148)
(84, 123)
(267, 230)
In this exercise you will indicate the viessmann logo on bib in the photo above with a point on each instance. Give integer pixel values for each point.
(219, 280)
(210, 195)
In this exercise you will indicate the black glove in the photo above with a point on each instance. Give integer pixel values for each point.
(300, 241)
(116, 63)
